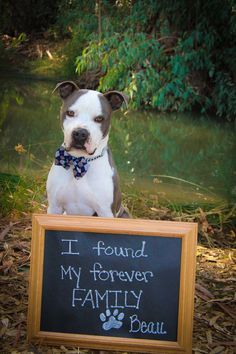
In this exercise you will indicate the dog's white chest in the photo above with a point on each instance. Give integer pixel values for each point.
(93, 193)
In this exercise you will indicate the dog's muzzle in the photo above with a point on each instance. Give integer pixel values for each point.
(79, 137)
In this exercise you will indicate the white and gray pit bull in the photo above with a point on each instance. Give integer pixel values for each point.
(83, 179)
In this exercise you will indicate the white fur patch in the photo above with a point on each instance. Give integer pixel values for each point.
(90, 194)
(86, 108)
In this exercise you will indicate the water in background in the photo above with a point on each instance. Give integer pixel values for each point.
(182, 158)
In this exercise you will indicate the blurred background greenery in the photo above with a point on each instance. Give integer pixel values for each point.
(170, 55)
(174, 59)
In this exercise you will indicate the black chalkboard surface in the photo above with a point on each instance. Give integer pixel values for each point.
(118, 284)
(121, 285)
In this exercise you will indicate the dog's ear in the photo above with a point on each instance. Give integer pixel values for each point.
(116, 99)
(65, 88)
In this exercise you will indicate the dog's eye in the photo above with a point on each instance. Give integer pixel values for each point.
(70, 113)
(99, 119)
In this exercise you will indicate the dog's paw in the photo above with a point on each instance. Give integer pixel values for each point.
(111, 320)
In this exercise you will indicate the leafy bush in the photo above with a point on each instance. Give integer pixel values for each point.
(162, 61)
(224, 95)
(166, 54)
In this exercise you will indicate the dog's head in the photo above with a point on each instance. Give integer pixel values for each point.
(86, 116)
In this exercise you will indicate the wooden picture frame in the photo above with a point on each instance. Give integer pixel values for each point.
(187, 232)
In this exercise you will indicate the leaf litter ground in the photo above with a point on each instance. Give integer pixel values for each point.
(214, 316)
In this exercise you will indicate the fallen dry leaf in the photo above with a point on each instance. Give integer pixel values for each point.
(214, 317)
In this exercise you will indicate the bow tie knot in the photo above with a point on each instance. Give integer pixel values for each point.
(80, 164)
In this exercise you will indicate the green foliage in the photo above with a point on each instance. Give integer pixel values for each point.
(19, 40)
(163, 62)
(76, 17)
(138, 65)
(224, 95)
(76, 20)
(169, 55)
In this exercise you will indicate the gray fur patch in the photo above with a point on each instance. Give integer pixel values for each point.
(106, 113)
(69, 101)
(116, 204)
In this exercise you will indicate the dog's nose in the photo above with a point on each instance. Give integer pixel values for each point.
(80, 136)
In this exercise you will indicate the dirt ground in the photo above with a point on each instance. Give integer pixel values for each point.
(214, 317)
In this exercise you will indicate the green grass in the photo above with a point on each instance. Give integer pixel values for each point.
(48, 68)
(22, 195)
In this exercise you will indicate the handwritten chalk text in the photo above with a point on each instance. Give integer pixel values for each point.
(112, 275)
(71, 272)
(111, 298)
(137, 325)
(101, 249)
(68, 243)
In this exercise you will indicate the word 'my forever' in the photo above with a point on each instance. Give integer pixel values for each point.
(100, 274)
(70, 247)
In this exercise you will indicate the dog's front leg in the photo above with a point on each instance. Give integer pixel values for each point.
(54, 209)
(104, 212)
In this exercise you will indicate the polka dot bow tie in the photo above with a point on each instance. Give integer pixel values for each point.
(80, 164)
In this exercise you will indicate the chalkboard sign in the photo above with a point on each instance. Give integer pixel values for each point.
(112, 283)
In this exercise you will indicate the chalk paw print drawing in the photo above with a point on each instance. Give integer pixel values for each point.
(111, 320)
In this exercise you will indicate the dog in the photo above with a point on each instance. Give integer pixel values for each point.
(83, 179)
